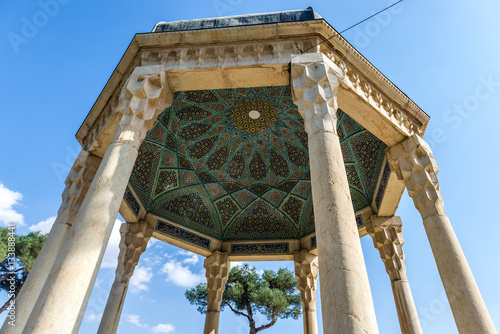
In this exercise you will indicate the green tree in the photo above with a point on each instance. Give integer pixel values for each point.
(273, 294)
(18, 256)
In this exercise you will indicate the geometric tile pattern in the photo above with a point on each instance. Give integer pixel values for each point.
(269, 248)
(233, 164)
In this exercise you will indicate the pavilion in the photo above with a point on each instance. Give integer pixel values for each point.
(247, 138)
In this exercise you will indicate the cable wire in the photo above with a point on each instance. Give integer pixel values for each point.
(354, 25)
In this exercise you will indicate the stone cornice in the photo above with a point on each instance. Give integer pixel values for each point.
(270, 44)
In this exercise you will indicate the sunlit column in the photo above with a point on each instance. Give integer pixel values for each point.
(413, 162)
(346, 299)
(134, 240)
(64, 297)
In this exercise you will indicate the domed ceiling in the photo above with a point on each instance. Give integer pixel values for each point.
(234, 164)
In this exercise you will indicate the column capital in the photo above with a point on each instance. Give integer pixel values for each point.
(217, 271)
(77, 184)
(144, 96)
(306, 273)
(134, 240)
(387, 236)
(315, 80)
(412, 161)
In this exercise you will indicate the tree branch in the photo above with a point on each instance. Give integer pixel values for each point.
(266, 326)
(14, 296)
(235, 311)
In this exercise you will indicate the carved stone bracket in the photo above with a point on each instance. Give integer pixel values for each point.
(315, 80)
(306, 273)
(143, 98)
(413, 161)
(77, 184)
(217, 267)
(134, 240)
(387, 236)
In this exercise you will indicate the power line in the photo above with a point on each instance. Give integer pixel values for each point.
(343, 31)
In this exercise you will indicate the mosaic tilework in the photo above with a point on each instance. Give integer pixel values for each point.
(182, 234)
(314, 242)
(266, 248)
(132, 202)
(383, 183)
(209, 165)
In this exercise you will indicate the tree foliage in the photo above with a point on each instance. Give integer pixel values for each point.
(18, 254)
(273, 294)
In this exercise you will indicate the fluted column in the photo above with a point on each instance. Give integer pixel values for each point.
(387, 236)
(306, 273)
(346, 300)
(413, 162)
(134, 240)
(77, 184)
(217, 266)
(64, 297)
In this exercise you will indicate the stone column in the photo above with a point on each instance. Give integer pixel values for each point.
(134, 240)
(346, 300)
(64, 297)
(413, 162)
(306, 273)
(387, 236)
(77, 185)
(217, 266)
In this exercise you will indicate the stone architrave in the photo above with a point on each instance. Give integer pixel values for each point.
(64, 297)
(387, 236)
(413, 162)
(133, 242)
(77, 184)
(217, 271)
(306, 273)
(346, 300)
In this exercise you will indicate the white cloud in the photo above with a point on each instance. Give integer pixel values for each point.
(163, 328)
(192, 258)
(135, 319)
(141, 276)
(8, 199)
(233, 264)
(110, 259)
(181, 275)
(43, 226)
(94, 317)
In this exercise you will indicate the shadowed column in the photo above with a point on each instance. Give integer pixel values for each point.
(134, 240)
(306, 273)
(387, 236)
(217, 266)
(413, 162)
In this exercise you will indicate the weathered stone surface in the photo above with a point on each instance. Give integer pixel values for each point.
(413, 162)
(344, 282)
(62, 302)
(133, 242)
(217, 267)
(77, 184)
(306, 273)
(387, 236)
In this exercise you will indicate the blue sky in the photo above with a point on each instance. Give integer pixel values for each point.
(443, 54)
